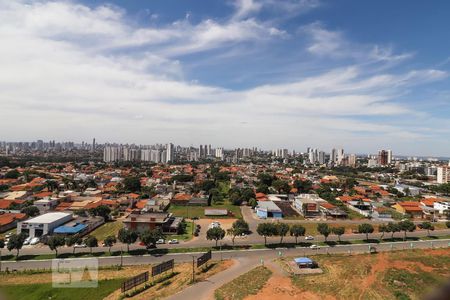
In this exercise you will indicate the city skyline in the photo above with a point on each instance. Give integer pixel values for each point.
(253, 73)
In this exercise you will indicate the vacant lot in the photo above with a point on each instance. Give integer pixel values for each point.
(107, 229)
(247, 284)
(396, 275)
(39, 286)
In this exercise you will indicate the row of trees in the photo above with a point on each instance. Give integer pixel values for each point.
(128, 237)
(238, 228)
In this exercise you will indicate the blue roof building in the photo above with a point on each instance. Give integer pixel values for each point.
(76, 228)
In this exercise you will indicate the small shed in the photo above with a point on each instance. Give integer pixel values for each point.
(305, 262)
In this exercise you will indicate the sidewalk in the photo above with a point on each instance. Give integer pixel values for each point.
(205, 289)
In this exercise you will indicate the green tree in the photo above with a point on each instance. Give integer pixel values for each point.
(2, 243)
(281, 186)
(247, 194)
(383, 229)
(101, 211)
(236, 199)
(393, 228)
(303, 186)
(266, 230)
(338, 231)
(91, 242)
(447, 224)
(149, 237)
(71, 241)
(265, 178)
(132, 184)
(54, 242)
(13, 174)
(30, 211)
(109, 242)
(297, 230)
(427, 226)
(16, 243)
(239, 227)
(215, 234)
(262, 188)
(324, 230)
(127, 237)
(282, 230)
(366, 228)
(405, 226)
(252, 202)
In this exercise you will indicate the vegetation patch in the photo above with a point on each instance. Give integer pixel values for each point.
(247, 284)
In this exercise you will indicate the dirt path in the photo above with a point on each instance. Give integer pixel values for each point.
(280, 287)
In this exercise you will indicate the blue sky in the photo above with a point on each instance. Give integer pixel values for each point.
(239, 73)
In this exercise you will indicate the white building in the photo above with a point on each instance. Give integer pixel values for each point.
(112, 154)
(442, 174)
(43, 224)
(389, 157)
(170, 153)
(219, 153)
(441, 206)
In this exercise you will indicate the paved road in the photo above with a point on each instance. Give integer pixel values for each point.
(205, 289)
(255, 254)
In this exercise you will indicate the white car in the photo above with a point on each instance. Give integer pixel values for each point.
(27, 241)
(8, 235)
(314, 247)
(161, 241)
(34, 241)
(79, 246)
(174, 241)
(214, 224)
(309, 238)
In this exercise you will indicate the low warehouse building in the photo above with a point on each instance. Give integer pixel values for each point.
(268, 209)
(44, 224)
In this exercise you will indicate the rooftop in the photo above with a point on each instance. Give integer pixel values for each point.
(49, 217)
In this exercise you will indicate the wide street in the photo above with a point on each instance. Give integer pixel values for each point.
(252, 253)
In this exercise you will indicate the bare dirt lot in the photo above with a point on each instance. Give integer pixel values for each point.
(397, 275)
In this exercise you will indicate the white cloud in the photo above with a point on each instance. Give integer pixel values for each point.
(63, 75)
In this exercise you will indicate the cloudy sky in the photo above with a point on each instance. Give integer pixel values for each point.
(354, 74)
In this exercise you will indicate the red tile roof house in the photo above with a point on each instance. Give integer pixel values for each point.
(9, 220)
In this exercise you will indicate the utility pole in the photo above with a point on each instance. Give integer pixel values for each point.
(193, 269)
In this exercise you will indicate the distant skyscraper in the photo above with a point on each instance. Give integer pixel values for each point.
(443, 174)
(219, 153)
(340, 156)
(382, 157)
(389, 158)
(170, 153)
(321, 157)
(333, 156)
(93, 144)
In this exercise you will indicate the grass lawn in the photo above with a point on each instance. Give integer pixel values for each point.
(109, 228)
(2, 235)
(46, 291)
(182, 237)
(247, 284)
(199, 211)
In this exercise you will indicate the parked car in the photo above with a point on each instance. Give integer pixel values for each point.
(8, 235)
(161, 241)
(80, 245)
(27, 241)
(174, 241)
(309, 238)
(314, 247)
(214, 224)
(34, 241)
